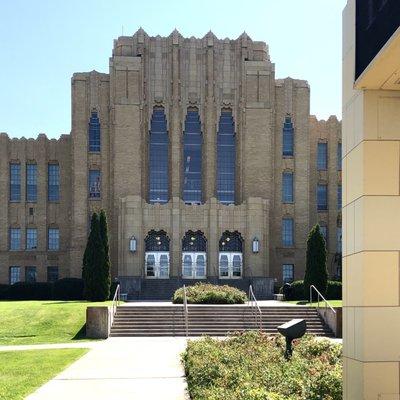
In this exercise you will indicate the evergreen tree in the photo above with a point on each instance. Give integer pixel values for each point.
(93, 264)
(106, 268)
(316, 272)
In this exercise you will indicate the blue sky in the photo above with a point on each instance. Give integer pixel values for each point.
(43, 42)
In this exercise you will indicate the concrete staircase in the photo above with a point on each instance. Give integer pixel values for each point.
(208, 320)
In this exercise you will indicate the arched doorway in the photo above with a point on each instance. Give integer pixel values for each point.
(230, 258)
(194, 255)
(157, 255)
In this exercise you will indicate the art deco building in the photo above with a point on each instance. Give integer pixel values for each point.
(207, 165)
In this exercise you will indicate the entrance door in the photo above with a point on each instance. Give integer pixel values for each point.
(230, 265)
(193, 265)
(157, 265)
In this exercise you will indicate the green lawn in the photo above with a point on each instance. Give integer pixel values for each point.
(21, 372)
(333, 303)
(32, 322)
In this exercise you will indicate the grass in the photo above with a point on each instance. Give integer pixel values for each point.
(34, 322)
(333, 303)
(21, 372)
(251, 366)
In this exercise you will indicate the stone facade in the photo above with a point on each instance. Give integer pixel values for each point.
(177, 74)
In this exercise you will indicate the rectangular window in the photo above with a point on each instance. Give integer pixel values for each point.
(339, 156)
(31, 183)
(288, 138)
(324, 231)
(339, 197)
(31, 239)
(287, 187)
(338, 239)
(287, 232)
(30, 274)
(322, 157)
(94, 184)
(15, 275)
(322, 197)
(53, 239)
(15, 182)
(52, 274)
(287, 273)
(94, 132)
(53, 176)
(15, 239)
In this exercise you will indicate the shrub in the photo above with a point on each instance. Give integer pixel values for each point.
(29, 291)
(68, 289)
(333, 291)
(205, 293)
(251, 366)
(316, 273)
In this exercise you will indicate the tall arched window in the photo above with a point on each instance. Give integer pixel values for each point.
(94, 132)
(158, 158)
(192, 143)
(157, 254)
(194, 247)
(230, 255)
(288, 137)
(226, 158)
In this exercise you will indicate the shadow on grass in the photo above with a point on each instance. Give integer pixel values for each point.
(81, 334)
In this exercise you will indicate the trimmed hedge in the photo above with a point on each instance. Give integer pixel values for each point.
(29, 291)
(68, 289)
(333, 291)
(63, 289)
(206, 293)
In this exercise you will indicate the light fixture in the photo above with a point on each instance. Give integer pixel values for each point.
(255, 245)
(132, 244)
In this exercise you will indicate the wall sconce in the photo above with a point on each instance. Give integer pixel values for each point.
(255, 245)
(132, 244)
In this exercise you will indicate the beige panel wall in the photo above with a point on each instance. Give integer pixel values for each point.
(371, 198)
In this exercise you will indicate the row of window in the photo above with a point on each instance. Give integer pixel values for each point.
(322, 192)
(53, 182)
(322, 156)
(288, 234)
(31, 242)
(31, 274)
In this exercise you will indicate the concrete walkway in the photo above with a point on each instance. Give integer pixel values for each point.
(162, 303)
(122, 368)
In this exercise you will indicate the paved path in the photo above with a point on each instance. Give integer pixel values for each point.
(122, 368)
(264, 303)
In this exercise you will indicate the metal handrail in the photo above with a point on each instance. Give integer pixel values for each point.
(327, 304)
(256, 310)
(186, 311)
(115, 302)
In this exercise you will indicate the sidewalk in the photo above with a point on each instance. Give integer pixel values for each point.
(122, 368)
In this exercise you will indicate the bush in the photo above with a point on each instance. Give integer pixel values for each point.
(29, 291)
(205, 293)
(68, 289)
(251, 366)
(333, 292)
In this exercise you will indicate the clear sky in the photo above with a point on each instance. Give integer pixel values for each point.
(43, 42)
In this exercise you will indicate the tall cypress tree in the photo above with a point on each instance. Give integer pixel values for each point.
(106, 267)
(316, 272)
(93, 264)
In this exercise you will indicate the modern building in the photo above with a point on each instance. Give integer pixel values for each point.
(371, 199)
(207, 165)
